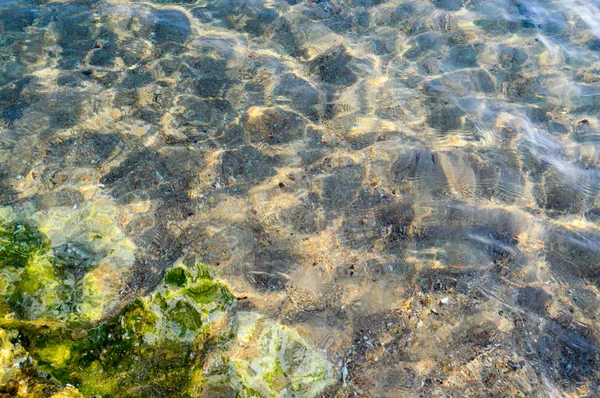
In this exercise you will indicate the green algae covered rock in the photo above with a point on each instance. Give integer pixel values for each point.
(18, 242)
(62, 264)
(186, 339)
(60, 269)
(26, 274)
(150, 347)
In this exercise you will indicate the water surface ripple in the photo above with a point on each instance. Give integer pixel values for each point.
(414, 186)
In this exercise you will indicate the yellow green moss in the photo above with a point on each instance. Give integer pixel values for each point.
(56, 355)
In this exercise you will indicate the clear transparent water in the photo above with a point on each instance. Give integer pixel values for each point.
(411, 185)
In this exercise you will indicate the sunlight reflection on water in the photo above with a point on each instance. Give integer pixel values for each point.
(414, 185)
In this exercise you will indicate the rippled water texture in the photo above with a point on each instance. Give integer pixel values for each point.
(413, 186)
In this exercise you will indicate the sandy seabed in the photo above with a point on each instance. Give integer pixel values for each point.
(412, 186)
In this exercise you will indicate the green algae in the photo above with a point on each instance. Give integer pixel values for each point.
(18, 242)
(37, 291)
(184, 339)
(64, 264)
(19, 375)
(149, 346)
(27, 278)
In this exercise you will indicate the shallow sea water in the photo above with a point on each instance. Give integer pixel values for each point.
(412, 186)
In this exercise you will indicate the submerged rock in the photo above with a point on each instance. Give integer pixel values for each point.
(151, 345)
(64, 264)
(184, 339)
(265, 359)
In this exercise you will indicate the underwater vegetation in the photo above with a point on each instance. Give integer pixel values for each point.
(184, 339)
(63, 264)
